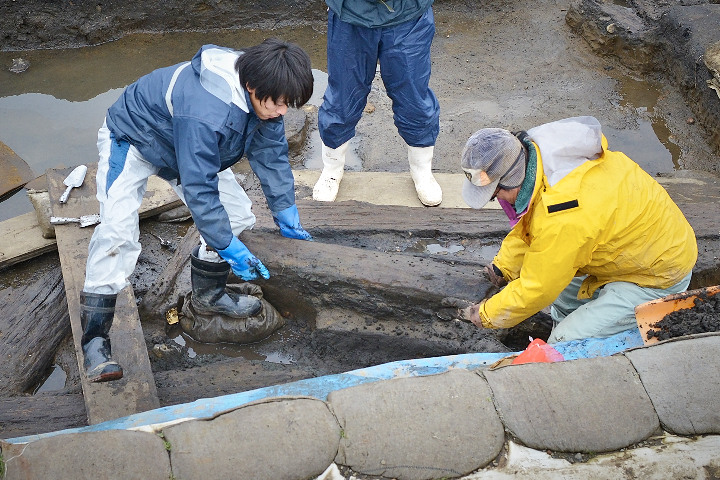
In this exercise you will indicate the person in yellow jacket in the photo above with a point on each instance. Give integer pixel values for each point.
(593, 235)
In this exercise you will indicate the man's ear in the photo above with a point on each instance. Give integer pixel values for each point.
(247, 87)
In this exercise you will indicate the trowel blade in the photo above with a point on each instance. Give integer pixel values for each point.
(75, 179)
(88, 220)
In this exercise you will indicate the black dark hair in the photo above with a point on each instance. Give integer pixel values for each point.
(278, 70)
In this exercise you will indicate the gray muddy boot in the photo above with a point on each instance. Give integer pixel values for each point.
(209, 295)
(96, 317)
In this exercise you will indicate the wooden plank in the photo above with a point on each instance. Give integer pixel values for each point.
(21, 237)
(15, 172)
(136, 391)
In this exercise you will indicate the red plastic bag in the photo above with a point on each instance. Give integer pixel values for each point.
(538, 351)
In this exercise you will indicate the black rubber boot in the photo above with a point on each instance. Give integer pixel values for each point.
(209, 295)
(96, 317)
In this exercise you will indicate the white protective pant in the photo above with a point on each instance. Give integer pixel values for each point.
(114, 247)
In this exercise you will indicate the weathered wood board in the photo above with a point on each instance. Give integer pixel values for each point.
(15, 172)
(378, 283)
(136, 391)
(21, 237)
(164, 283)
(33, 323)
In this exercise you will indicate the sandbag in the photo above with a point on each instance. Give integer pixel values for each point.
(216, 328)
(40, 200)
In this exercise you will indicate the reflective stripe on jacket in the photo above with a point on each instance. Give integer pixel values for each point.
(211, 127)
(607, 219)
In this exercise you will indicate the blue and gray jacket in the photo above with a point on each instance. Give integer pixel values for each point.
(193, 120)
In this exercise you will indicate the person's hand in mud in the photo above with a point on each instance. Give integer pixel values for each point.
(462, 310)
(472, 314)
(495, 276)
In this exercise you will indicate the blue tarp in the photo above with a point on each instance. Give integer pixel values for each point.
(320, 387)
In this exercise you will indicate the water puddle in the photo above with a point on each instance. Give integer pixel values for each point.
(437, 249)
(261, 351)
(481, 251)
(650, 145)
(54, 382)
(50, 114)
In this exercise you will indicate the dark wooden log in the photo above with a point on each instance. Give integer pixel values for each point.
(327, 274)
(339, 218)
(156, 297)
(31, 415)
(375, 283)
(34, 321)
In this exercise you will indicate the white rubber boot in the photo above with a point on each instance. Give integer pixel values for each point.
(326, 188)
(427, 188)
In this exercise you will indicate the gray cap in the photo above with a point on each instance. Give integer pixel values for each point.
(491, 157)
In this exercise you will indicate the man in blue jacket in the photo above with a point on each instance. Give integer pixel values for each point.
(188, 124)
(398, 34)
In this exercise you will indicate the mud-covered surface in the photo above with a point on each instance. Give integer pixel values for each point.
(494, 64)
(703, 317)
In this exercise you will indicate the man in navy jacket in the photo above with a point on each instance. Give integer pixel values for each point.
(188, 124)
(397, 34)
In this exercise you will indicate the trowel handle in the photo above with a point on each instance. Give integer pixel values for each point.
(65, 195)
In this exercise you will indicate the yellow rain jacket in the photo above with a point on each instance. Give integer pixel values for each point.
(607, 219)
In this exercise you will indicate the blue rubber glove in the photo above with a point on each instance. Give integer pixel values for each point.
(244, 264)
(289, 222)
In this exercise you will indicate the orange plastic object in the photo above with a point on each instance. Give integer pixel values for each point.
(538, 351)
(649, 313)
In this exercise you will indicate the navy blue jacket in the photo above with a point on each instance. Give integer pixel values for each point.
(378, 13)
(211, 127)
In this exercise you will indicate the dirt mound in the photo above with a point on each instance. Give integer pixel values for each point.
(703, 317)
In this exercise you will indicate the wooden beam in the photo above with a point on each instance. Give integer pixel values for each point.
(136, 391)
(21, 237)
(33, 324)
(15, 172)
(378, 284)
(32, 415)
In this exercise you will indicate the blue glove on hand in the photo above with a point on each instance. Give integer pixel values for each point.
(244, 264)
(289, 222)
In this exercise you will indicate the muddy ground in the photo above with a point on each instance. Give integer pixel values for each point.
(506, 64)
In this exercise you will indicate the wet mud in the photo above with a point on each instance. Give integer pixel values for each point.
(703, 317)
(494, 64)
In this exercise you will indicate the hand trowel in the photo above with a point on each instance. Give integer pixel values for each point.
(74, 180)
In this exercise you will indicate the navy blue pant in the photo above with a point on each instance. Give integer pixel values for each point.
(404, 54)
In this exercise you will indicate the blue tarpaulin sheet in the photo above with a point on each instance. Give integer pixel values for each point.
(320, 387)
